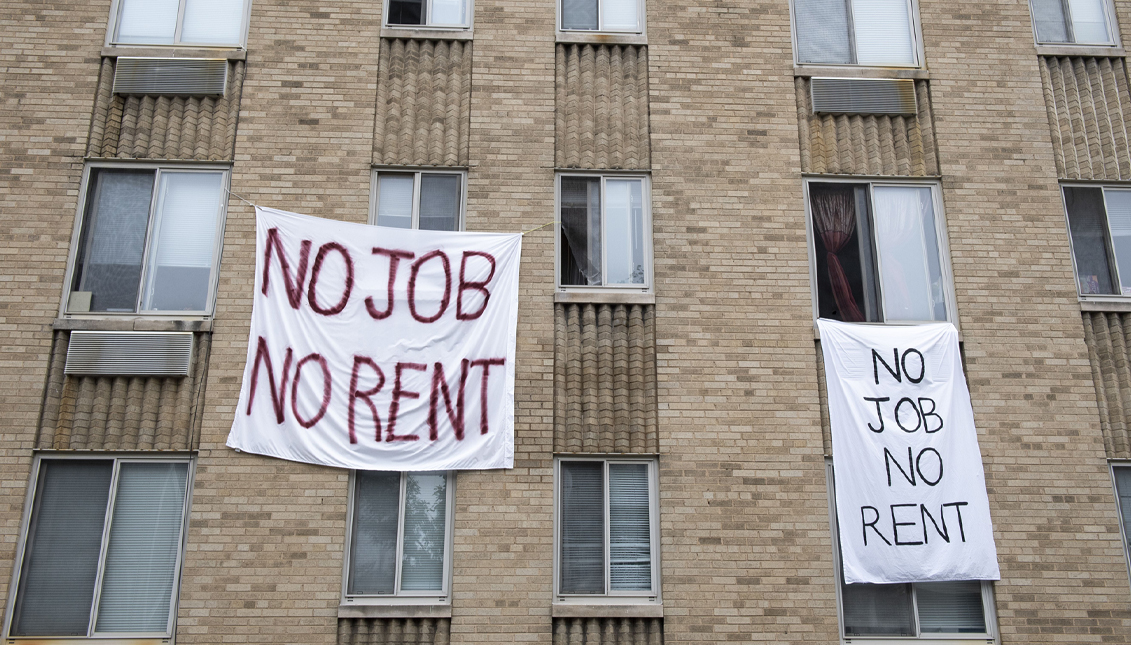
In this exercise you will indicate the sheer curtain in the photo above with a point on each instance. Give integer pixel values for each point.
(624, 231)
(184, 242)
(448, 12)
(1048, 16)
(878, 610)
(579, 14)
(911, 276)
(114, 231)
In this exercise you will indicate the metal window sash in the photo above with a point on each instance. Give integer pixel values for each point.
(850, 20)
(1110, 245)
(105, 545)
(1124, 521)
(400, 534)
(605, 470)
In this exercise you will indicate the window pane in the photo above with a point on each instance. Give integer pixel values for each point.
(951, 607)
(373, 543)
(630, 544)
(883, 32)
(113, 240)
(579, 14)
(406, 12)
(1087, 225)
(212, 22)
(581, 231)
(394, 200)
(1048, 16)
(181, 258)
(148, 22)
(1088, 22)
(63, 545)
(439, 202)
(620, 15)
(846, 287)
(908, 248)
(145, 542)
(1119, 220)
(1123, 490)
(448, 12)
(822, 31)
(877, 610)
(582, 527)
(425, 525)
(624, 231)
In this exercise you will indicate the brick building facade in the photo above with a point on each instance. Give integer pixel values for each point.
(708, 370)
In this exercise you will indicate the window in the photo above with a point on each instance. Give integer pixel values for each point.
(149, 240)
(929, 610)
(1122, 473)
(604, 233)
(400, 536)
(856, 32)
(453, 14)
(1083, 22)
(429, 201)
(878, 252)
(202, 23)
(1099, 223)
(607, 523)
(102, 549)
(601, 15)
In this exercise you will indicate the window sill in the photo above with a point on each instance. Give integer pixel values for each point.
(595, 610)
(1116, 304)
(394, 611)
(605, 297)
(601, 38)
(132, 324)
(853, 71)
(31, 640)
(427, 33)
(932, 639)
(1101, 51)
(174, 51)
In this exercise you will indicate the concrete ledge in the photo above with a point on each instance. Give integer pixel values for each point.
(1114, 306)
(605, 297)
(853, 71)
(641, 610)
(394, 611)
(130, 324)
(600, 38)
(1099, 51)
(411, 33)
(149, 51)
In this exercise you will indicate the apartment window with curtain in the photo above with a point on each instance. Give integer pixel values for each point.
(149, 240)
(425, 200)
(605, 232)
(444, 14)
(1080, 22)
(607, 526)
(856, 32)
(190, 23)
(624, 16)
(400, 537)
(101, 549)
(879, 252)
(1099, 225)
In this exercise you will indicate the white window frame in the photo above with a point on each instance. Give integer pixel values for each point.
(80, 218)
(374, 193)
(29, 503)
(566, 34)
(1114, 265)
(1109, 16)
(940, 235)
(989, 613)
(646, 192)
(611, 597)
(1124, 521)
(915, 31)
(116, 11)
(399, 597)
(469, 15)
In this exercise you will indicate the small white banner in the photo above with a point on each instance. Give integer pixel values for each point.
(910, 491)
(380, 348)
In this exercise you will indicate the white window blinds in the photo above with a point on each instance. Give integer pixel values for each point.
(394, 200)
(148, 22)
(883, 32)
(630, 541)
(212, 22)
(855, 32)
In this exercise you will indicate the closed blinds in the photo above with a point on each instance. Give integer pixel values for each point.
(822, 32)
(425, 530)
(883, 32)
(878, 610)
(212, 22)
(373, 545)
(148, 22)
(439, 202)
(950, 607)
(1118, 204)
(394, 200)
(582, 529)
(630, 544)
(145, 540)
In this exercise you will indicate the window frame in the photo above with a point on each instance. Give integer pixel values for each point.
(940, 236)
(1124, 521)
(466, 27)
(116, 7)
(611, 597)
(565, 35)
(374, 192)
(1108, 248)
(1114, 37)
(25, 525)
(646, 192)
(989, 613)
(916, 33)
(399, 597)
(80, 219)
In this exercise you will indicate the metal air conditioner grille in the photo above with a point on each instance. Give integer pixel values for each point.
(170, 76)
(863, 96)
(129, 353)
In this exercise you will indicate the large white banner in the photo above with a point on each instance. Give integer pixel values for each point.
(910, 491)
(380, 348)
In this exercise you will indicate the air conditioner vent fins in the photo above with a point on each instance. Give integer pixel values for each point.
(170, 76)
(863, 96)
(129, 353)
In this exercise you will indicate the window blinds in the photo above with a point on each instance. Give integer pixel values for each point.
(883, 32)
(439, 202)
(624, 231)
(145, 541)
(877, 610)
(425, 529)
(212, 22)
(950, 607)
(630, 544)
(394, 200)
(148, 22)
(61, 555)
(822, 32)
(373, 544)
(1118, 204)
(582, 528)
(1088, 22)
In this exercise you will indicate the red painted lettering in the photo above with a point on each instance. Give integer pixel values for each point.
(398, 394)
(347, 288)
(486, 363)
(440, 388)
(364, 395)
(395, 258)
(477, 285)
(278, 394)
(447, 285)
(294, 287)
(306, 423)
